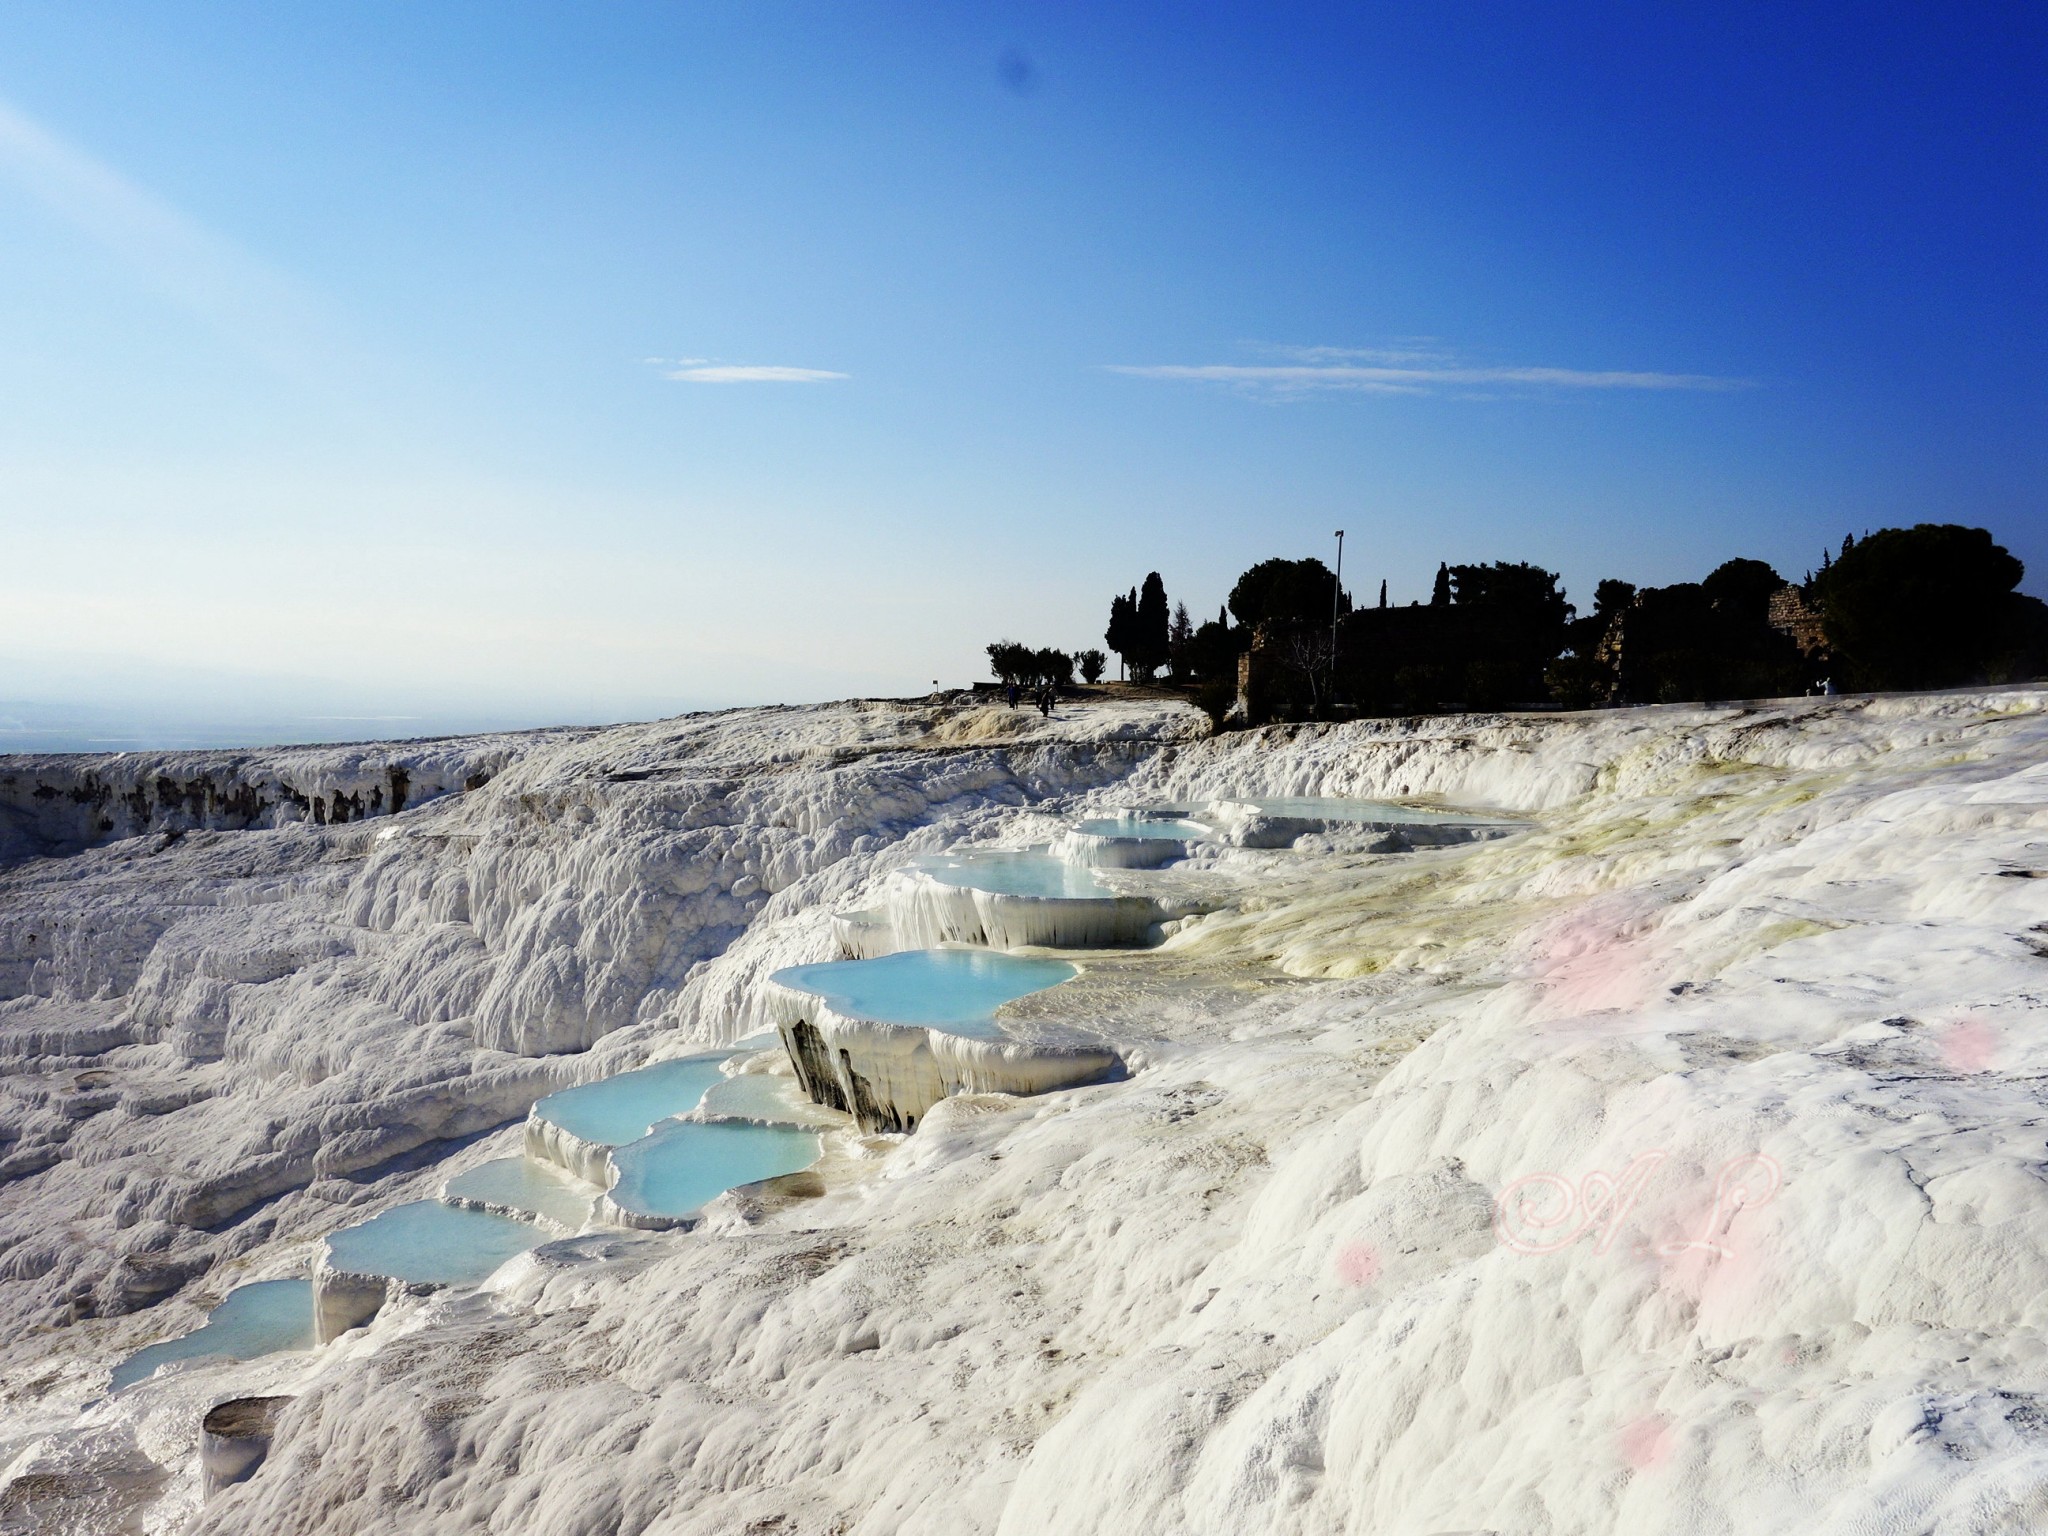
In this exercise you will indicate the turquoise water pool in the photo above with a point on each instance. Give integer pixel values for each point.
(1148, 828)
(957, 990)
(431, 1242)
(625, 1108)
(1318, 808)
(252, 1320)
(1013, 872)
(520, 1184)
(753, 1096)
(684, 1164)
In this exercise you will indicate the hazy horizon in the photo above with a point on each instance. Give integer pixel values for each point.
(29, 727)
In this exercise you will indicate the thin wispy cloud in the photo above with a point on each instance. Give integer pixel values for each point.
(1411, 370)
(701, 370)
(248, 302)
(1407, 354)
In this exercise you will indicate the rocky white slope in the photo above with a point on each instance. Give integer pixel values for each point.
(1677, 1165)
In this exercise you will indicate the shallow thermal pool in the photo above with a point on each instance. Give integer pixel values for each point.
(625, 1108)
(1319, 808)
(755, 1096)
(956, 990)
(430, 1242)
(685, 1163)
(1013, 872)
(1147, 828)
(521, 1184)
(258, 1319)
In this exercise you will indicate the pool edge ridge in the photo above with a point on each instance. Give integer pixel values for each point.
(888, 1076)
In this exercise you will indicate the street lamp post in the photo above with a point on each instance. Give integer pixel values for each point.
(1336, 590)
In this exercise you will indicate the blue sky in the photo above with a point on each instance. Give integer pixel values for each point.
(537, 362)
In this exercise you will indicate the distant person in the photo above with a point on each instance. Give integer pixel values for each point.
(1012, 691)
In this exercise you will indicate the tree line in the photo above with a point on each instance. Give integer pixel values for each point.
(1930, 606)
(1010, 662)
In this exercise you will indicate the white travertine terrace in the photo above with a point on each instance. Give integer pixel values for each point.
(234, 1437)
(592, 1162)
(343, 1300)
(888, 1076)
(1246, 824)
(1291, 1275)
(548, 1142)
(1098, 850)
(924, 913)
(613, 1214)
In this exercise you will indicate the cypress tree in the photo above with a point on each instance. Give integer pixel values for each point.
(1122, 620)
(1153, 626)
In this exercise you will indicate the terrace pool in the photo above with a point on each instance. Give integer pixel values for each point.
(252, 1320)
(956, 990)
(521, 1184)
(625, 1108)
(751, 1096)
(1148, 828)
(432, 1243)
(686, 1163)
(1013, 872)
(1318, 808)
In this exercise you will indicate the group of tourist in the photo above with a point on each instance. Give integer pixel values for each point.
(1044, 697)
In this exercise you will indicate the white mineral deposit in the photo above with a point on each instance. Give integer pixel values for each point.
(1670, 1160)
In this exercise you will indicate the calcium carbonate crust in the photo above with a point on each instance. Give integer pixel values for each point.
(1754, 1007)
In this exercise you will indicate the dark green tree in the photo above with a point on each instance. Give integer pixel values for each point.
(1151, 633)
(1009, 662)
(1092, 663)
(1931, 606)
(1611, 596)
(1052, 666)
(1121, 636)
(1585, 674)
(1281, 594)
(1512, 618)
(1709, 639)
(1290, 603)
(1214, 648)
(1743, 587)
(1180, 634)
